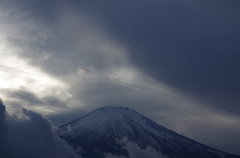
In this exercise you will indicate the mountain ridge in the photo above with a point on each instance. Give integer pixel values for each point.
(99, 132)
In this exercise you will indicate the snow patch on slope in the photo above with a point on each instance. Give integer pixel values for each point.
(136, 152)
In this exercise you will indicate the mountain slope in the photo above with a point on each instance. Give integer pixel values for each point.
(115, 130)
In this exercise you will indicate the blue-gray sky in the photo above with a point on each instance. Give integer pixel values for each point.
(174, 61)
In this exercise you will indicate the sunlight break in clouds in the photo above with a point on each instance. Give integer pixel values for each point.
(17, 74)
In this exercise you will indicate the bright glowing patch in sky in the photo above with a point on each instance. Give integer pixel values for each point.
(16, 73)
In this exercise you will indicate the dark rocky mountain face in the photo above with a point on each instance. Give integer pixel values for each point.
(121, 132)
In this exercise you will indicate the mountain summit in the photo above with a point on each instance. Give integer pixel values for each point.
(111, 132)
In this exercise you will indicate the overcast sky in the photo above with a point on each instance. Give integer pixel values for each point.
(177, 62)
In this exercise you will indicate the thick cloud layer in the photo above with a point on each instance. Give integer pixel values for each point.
(190, 45)
(27, 134)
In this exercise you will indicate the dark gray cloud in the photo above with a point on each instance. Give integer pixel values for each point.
(62, 38)
(190, 45)
(28, 134)
(3, 129)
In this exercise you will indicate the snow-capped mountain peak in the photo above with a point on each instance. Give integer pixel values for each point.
(110, 130)
(109, 116)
